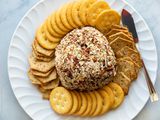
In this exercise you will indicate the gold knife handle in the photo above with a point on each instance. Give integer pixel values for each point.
(153, 93)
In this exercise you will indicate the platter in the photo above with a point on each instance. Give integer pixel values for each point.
(30, 98)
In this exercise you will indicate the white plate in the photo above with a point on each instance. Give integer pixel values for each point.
(29, 97)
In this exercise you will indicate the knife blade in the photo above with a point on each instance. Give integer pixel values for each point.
(128, 21)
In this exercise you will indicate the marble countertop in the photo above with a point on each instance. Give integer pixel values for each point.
(10, 14)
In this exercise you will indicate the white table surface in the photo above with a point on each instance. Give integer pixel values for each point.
(10, 14)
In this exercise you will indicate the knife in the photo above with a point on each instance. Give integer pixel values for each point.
(128, 21)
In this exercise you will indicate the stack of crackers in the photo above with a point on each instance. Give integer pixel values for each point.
(83, 104)
(42, 70)
(68, 17)
(128, 58)
(76, 14)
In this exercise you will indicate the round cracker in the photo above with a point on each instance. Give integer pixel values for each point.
(63, 16)
(94, 102)
(89, 105)
(75, 13)
(79, 101)
(51, 30)
(75, 103)
(55, 27)
(83, 10)
(83, 106)
(95, 9)
(51, 38)
(69, 15)
(99, 103)
(110, 93)
(61, 100)
(118, 93)
(45, 43)
(106, 19)
(59, 21)
(106, 101)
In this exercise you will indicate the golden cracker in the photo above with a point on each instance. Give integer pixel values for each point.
(83, 10)
(35, 51)
(75, 13)
(51, 38)
(33, 79)
(119, 43)
(63, 16)
(94, 103)
(127, 67)
(95, 9)
(75, 103)
(110, 93)
(99, 101)
(51, 29)
(59, 21)
(119, 34)
(55, 26)
(40, 58)
(43, 41)
(119, 27)
(83, 105)
(114, 31)
(106, 19)
(51, 85)
(89, 105)
(106, 101)
(123, 81)
(79, 101)
(61, 100)
(69, 15)
(48, 35)
(40, 74)
(41, 65)
(118, 93)
(130, 52)
(51, 77)
(136, 66)
(42, 51)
